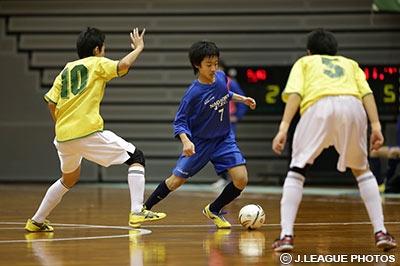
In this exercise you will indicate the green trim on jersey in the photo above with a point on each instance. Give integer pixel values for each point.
(77, 92)
(316, 76)
(81, 136)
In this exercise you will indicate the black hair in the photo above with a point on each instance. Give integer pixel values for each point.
(199, 50)
(323, 42)
(88, 40)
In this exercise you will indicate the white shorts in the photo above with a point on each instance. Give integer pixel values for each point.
(338, 121)
(104, 148)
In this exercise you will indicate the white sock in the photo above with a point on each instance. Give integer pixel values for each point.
(369, 191)
(136, 187)
(291, 198)
(53, 196)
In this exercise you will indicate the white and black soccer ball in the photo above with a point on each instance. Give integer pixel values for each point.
(251, 216)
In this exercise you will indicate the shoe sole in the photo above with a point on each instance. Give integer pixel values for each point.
(284, 248)
(135, 225)
(39, 231)
(386, 245)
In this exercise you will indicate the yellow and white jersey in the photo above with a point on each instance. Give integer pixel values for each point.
(316, 76)
(77, 92)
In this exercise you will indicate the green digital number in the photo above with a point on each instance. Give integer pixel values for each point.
(333, 71)
(272, 94)
(389, 93)
(77, 81)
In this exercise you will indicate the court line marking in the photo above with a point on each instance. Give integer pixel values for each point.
(140, 232)
(146, 231)
(62, 239)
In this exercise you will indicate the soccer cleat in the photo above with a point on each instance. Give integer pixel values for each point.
(284, 244)
(136, 218)
(33, 226)
(217, 218)
(384, 241)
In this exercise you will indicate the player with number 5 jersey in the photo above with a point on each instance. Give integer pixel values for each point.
(335, 103)
(74, 104)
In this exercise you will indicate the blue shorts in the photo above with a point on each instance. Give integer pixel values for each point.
(223, 152)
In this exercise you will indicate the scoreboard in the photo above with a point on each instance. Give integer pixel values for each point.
(266, 83)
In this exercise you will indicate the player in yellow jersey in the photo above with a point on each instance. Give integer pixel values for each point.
(335, 103)
(74, 104)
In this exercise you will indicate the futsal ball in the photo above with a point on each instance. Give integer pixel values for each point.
(251, 216)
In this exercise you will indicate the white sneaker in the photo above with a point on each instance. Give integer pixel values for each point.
(220, 183)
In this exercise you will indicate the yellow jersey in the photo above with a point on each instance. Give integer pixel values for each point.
(315, 76)
(77, 92)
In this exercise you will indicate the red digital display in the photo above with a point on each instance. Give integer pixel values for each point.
(381, 73)
(256, 75)
(266, 83)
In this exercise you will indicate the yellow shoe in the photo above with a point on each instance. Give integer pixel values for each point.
(217, 218)
(33, 226)
(136, 218)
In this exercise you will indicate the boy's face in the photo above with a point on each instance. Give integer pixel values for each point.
(207, 70)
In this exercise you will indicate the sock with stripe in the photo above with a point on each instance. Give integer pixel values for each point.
(369, 191)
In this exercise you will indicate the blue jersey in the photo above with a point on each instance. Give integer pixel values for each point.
(204, 109)
(240, 109)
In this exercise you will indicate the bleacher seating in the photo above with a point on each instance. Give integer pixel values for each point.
(141, 106)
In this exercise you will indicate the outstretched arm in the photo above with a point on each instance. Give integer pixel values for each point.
(137, 47)
(292, 105)
(246, 100)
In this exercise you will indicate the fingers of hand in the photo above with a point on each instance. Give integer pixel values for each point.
(143, 31)
(277, 151)
(188, 153)
(135, 34)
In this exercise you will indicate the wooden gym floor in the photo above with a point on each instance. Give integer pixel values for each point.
(91, 229)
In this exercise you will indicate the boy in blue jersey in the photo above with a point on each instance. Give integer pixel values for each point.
(202, 123)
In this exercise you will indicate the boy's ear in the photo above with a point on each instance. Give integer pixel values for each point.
(96, 51)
